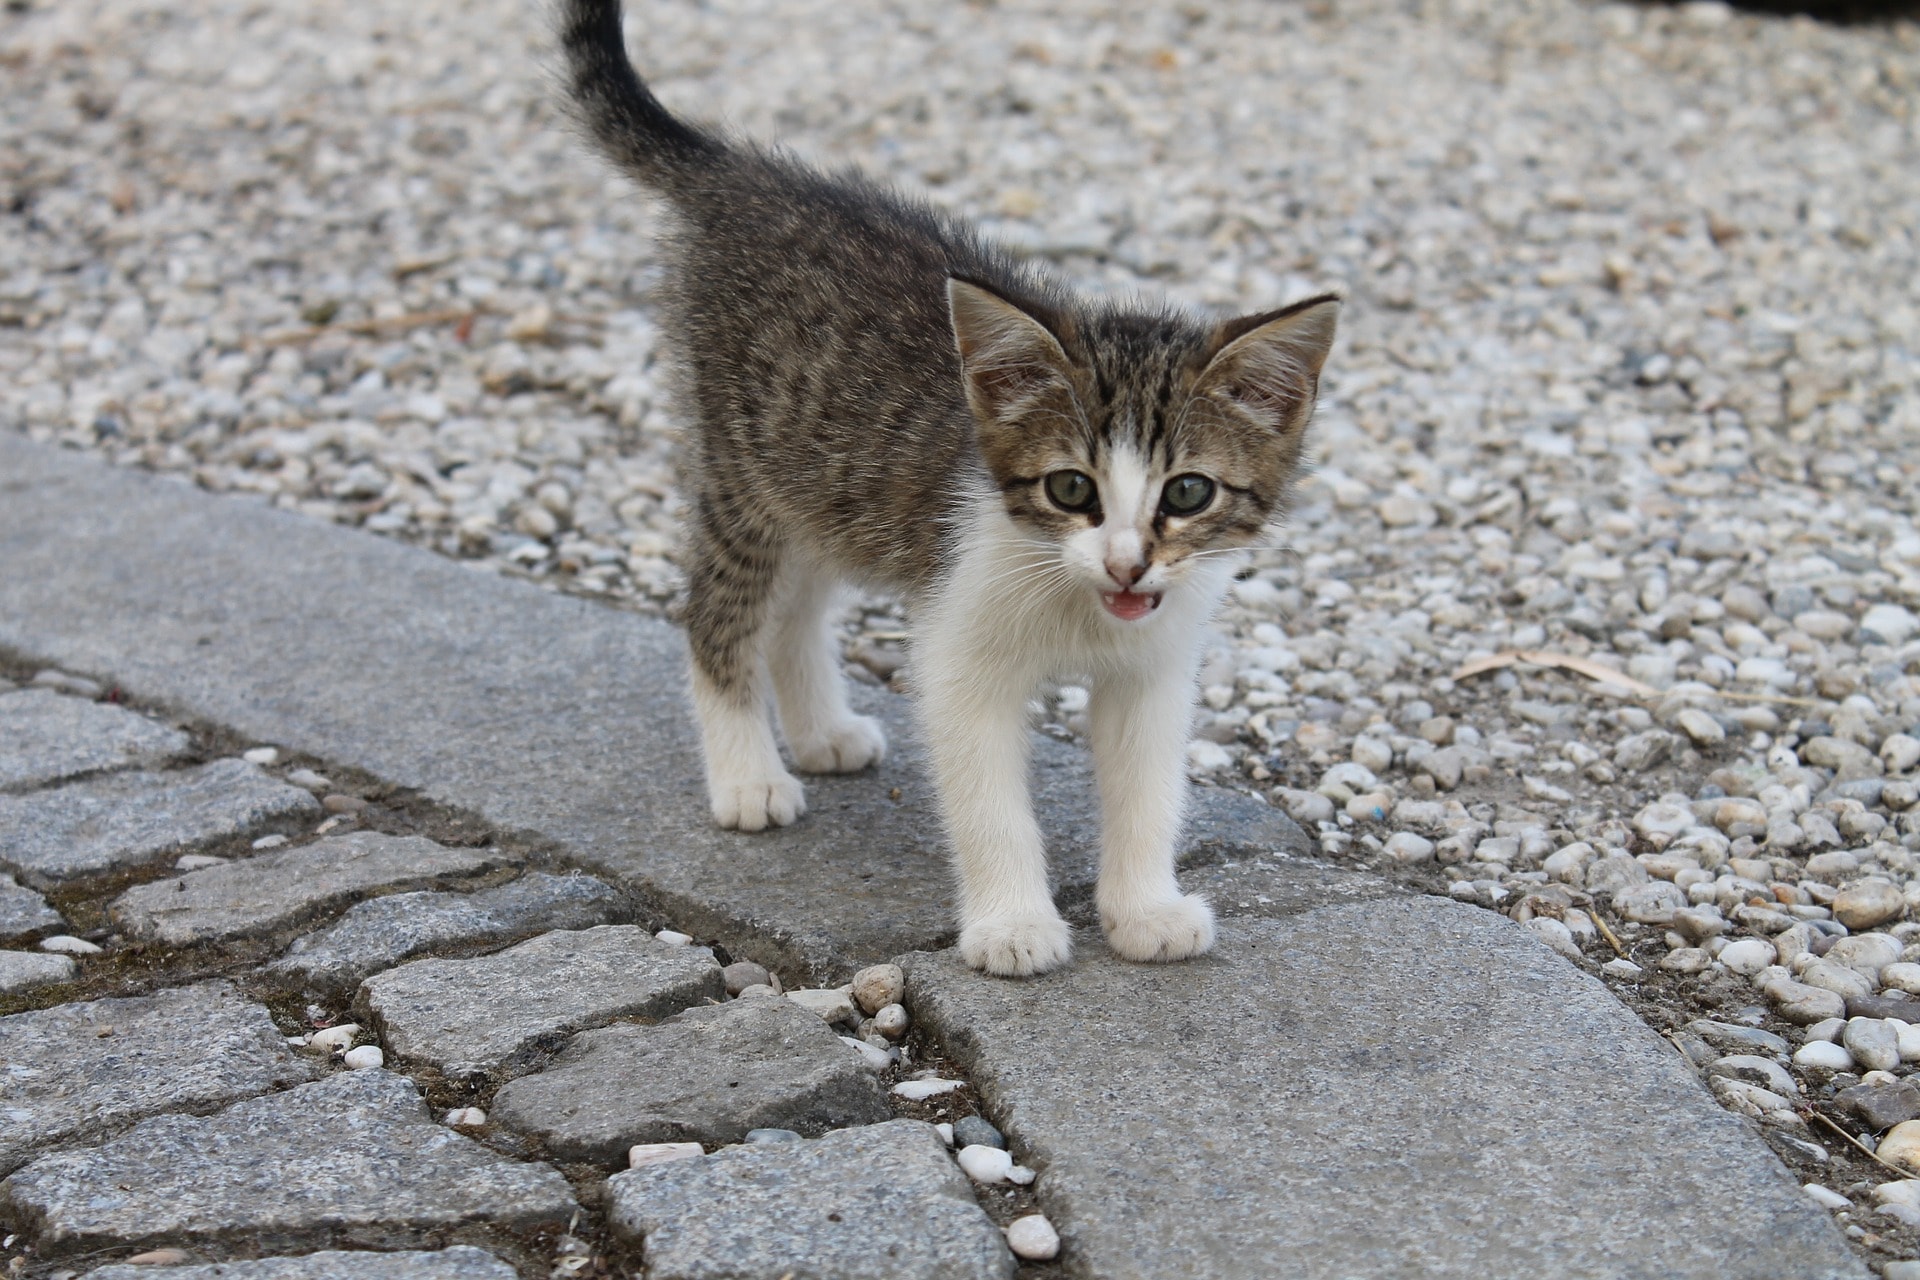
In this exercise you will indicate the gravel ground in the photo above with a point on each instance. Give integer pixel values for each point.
(1629, 379)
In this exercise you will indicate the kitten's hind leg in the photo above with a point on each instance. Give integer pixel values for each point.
(823, 733)
(1139, 751)
(730, 578)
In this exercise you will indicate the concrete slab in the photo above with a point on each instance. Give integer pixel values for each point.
(47, 736)
(24, 913)
(1401, 1087)
(461, 1262)
(539, 711)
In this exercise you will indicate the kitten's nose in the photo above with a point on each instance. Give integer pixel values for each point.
(1126, 572)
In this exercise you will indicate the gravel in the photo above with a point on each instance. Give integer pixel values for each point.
(1629, 379)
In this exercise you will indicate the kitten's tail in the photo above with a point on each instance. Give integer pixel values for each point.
(607, 98)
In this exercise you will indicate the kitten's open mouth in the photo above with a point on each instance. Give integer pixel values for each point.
(1130, 606)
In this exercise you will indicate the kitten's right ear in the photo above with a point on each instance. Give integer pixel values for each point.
(1269, 364)
(1008, 358)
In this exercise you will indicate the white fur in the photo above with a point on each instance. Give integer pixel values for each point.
(1014, 612)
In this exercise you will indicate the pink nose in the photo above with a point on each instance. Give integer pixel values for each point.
(1126, 574)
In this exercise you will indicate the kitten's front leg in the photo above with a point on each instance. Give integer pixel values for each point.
(975, 723)
(1139, 750)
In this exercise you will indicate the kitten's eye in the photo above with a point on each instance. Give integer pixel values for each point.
(1071, 490)
(1185, 495)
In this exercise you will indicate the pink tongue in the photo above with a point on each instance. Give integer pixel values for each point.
(1130, 605)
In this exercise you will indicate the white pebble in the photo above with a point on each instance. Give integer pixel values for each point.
(877, 986)
(1033, 1238)
(265, 842)
(199, 861)
(1826, 1199)
(367, 1055)
(921, 1090)
(647, 1153)
(673, 938)
(1872, 1043)
(988, 1166)
(466, 1118)
(334, 1038)
(1021, 1176)
(1406, 847)
(891, 1021)
(1823, 1054)
(262, 756)
(1748, 956)
(1621, 968)
(67, 945)
(876, 1058)
(317, 782)
(945, 1131)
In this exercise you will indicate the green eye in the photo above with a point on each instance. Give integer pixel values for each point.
(1071, 490)
(1185, 495)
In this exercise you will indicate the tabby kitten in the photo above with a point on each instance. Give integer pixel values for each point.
(1058, 487)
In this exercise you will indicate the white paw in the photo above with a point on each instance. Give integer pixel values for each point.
(847, 746)
(1170, 930)
(756, 803)
(1016, 946)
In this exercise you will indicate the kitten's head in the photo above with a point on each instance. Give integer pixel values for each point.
(1138, 443)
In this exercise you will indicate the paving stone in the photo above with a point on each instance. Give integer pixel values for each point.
(25, 970)
(876, 1203)
(46, 736)
(379, 934)
(504, 1011)
(707, 1075)
(540, 712)
(1356, 1089)
(125, 819)
(270, 892)
(76, 1072)
(24, 913)
(461, 1262)
(353, 1160)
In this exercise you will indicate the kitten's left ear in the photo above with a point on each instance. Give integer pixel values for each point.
(1269, 364)
(1009, 358)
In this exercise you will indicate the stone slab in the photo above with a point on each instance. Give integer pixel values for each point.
(1403, 1087)
(24, 913)
(461, 1262)
(377, 935)
(882, 1202)
(352, 1160)
(25, 970)
(271, 892)
(539, 711)
(707, 1075)
(76, 1072)
(501, 1013)
(125, 819)
(46, 737)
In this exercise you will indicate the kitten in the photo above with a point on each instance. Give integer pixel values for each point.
(1058, 488)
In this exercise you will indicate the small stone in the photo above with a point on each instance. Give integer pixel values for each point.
(1824, 1198)
(875, 1058)
(159, 1258)
(642, 1154)
(1702, 728)
(1900, 752)
(1867, 903)
(1659, 823)
(945, 1131)
(921, 1090)
(1686, 960)
(264, 843)
(1798, 1002)
(1406, 848)
(1869, 953)
(367, 1055)
(1904, 976)
(1823, 1054)
(1888, 624)
(1754, 1069)
(878, 986)
(466, 1118)
(1556, 935)
(974, 1131)
(335, 1039)
(830, 1004)
(343, 804)
(201, 861)
(761, 1137)
(318, 783)
(1881, 1106)
(1730, 1037)
(262, 756)
(891, 1021)
(1901, 1146)
(1622, 968)
(1372, 754)
(1747, 956)
(742, 974)
(1653, 903)
(64, 944)
(673, 938)
(988, 1166)
(25, 970)
(1873, 1044)
(1033, 1238)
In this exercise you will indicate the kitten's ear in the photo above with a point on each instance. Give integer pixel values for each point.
(1269, 364)
(1008, 357)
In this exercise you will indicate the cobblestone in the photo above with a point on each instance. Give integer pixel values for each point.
(46, 737)
(24, 913)
(461, 1262)
(25, 970)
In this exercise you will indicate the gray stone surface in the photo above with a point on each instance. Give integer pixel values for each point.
(25, 970)
(75, 1072)
(504, 1011)
(1278, 884)
(461, 1262)
(540, 711)
(883, 1202)
(46, 736)
(1400, 1087)
(352, 1160)
(379, 934)
(270, 892)
(24, 913)
(707, 1075)
(125, 819)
